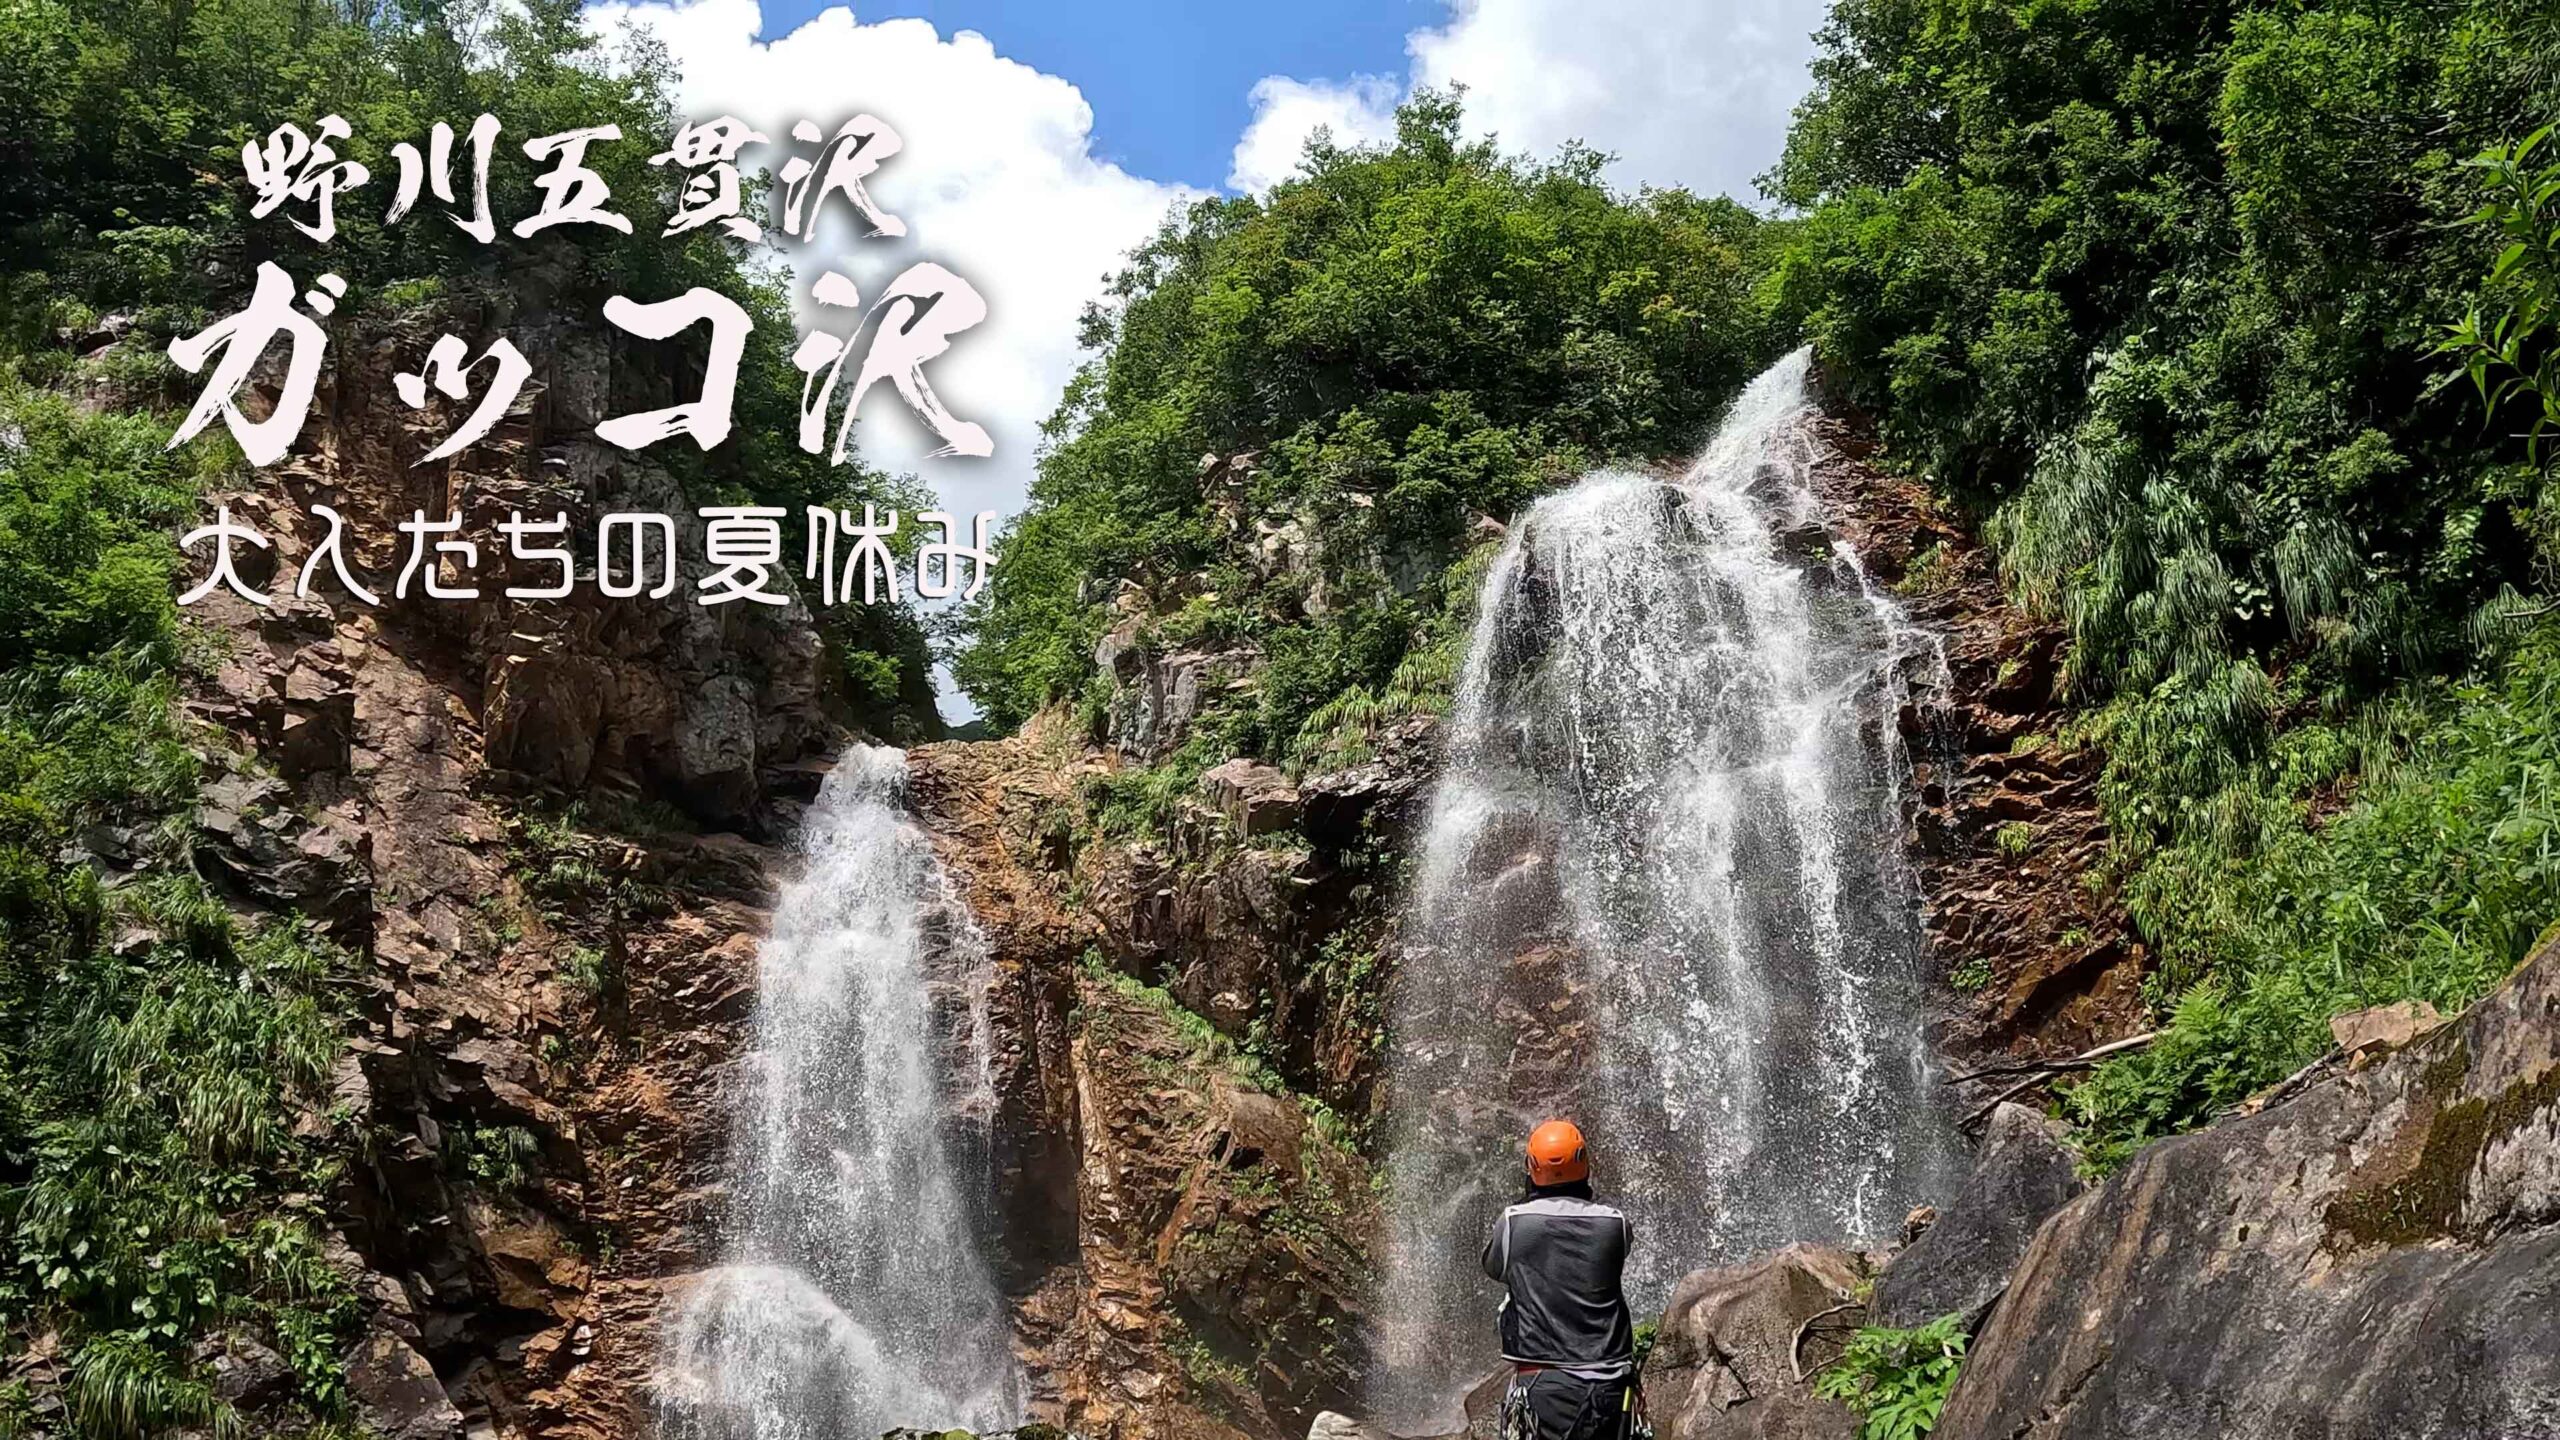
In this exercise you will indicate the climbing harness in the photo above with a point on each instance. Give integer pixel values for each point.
(1519, 1421)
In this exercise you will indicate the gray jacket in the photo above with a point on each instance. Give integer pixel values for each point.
(1561, 1258)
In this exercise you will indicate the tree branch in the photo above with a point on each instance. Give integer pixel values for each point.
(2081, 1061)
(1795, 1348)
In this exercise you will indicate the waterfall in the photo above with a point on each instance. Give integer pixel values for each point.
(857, 1296)
(1662, 893)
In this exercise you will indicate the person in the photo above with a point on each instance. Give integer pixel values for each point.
(1566, 1329)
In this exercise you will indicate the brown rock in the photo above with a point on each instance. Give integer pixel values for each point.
(2384, 1027)
(1726, 1358)
(546, 715)
(396, 1393)
(403, 729)
(2064, 966)
(1256, 798)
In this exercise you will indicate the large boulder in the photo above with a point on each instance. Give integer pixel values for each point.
(2021, 1174)
(2377, 1255)
(1734, 1340)
(245, 1373)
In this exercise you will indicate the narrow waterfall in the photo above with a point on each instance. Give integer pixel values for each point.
(857, 1296)
(1662, 892)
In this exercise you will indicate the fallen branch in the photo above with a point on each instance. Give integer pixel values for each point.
(1795, 1348)
(2045, 1070)
(2004, 1097)
(2284, 1089)
(2082, 1061)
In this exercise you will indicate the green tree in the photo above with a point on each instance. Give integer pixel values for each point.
(1399, 337)
(2157, 291)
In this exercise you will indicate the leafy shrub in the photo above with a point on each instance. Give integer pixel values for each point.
(1398, 337)
(2431, 883)
(1896, 1380)
(2509, 353)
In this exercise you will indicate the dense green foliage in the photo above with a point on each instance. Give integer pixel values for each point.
(2506, 346)
(1896, 1380)
(2443, 870)
(1400, 337)
(153, 1051)
(2164, 293)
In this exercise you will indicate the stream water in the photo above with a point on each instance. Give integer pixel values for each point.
(1662, 892)
(856, 1296)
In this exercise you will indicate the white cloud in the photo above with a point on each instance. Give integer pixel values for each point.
(997, 180)
(1359, 111)
(1682, 92)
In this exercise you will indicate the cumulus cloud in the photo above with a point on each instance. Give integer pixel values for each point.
(1688, 94)
(997, 181)
(1358, 111)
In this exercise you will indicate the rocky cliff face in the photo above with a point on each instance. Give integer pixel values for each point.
(1261, 905)
(541, 825)
(1186, 1018)
(547, 990)
(1184, 1217)
(2005, 831)
(2376, 1253)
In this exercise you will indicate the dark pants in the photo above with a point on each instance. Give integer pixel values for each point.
(1552, 1405)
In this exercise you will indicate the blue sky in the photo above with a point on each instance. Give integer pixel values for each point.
(1170, 81)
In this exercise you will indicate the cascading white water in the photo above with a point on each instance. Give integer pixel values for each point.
(857, 1296)
(1662, 892)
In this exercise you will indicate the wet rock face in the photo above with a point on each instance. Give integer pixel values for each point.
(993, 811)
(1734, 1340)
(2376, 1255)
(1183, 1239)
(2003, 822)
(1959, 1265)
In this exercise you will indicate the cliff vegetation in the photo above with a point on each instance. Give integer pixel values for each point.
(2227, 328)
(179, 1115)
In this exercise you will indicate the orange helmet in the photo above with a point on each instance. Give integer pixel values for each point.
(1556, 1156)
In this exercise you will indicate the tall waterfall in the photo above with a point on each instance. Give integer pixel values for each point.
(1662, 893)
(856, 1297)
